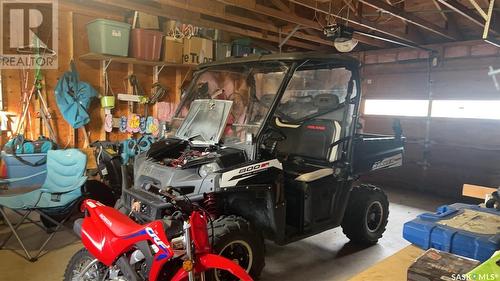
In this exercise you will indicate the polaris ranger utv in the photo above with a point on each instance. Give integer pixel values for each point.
(268, 146)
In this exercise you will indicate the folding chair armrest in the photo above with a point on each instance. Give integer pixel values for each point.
(7, 181)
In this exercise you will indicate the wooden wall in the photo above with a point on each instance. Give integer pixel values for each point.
(461, 150)
(72, 44)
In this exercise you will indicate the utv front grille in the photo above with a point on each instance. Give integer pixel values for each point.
(151, 208)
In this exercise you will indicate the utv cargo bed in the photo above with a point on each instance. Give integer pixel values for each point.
(374, 152)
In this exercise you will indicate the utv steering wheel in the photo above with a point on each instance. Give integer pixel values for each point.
(271, 139)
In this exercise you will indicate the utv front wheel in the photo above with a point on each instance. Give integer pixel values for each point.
(235, 239)
(366, 215)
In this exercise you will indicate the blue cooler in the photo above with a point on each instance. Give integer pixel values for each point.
(426, 231)
(17, 169)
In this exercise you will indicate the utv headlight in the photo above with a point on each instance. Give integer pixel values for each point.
(208, 169)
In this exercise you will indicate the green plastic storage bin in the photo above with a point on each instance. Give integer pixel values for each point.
(108, 37)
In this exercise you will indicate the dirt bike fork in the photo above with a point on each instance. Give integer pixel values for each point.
(189, 250)
(187, 242)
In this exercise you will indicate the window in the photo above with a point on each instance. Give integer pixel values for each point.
(480, 109)
(314, 92)
(413, 108)
(251, 88)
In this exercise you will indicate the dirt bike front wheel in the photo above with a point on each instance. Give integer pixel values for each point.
(84, 267)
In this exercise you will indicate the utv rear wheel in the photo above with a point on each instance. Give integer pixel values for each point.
(366, 215)
(235, 239)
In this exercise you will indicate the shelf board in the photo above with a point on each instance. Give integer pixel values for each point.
(126, 60)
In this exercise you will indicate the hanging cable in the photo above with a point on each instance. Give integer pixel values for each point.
(427, 142)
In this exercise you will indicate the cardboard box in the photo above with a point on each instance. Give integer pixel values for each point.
(146, 21)
(435, 265)
(197, 50)
(172, 50)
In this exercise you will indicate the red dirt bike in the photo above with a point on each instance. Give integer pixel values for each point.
(117, 248)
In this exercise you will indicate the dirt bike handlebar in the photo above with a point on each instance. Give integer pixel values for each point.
(182, 203)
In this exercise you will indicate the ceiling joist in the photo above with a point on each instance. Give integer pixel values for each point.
(360, 22)
(399, 13)
(464, 11)
(252, 6)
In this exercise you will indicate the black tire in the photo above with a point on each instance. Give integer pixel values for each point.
(234, 234)
(78, 262)
(492, 204)
(366, 215)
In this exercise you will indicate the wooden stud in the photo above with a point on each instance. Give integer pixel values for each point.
(178, 85)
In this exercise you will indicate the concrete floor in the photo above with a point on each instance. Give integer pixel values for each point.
(326, 256)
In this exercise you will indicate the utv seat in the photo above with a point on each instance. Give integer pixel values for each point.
(307, 148)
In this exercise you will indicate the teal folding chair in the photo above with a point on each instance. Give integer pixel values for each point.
(58, 196)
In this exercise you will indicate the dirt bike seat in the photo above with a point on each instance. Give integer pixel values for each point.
(118, 223)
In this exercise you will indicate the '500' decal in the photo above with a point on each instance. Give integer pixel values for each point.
(231, 178)
(254, 168)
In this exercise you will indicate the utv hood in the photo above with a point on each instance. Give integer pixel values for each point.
(205, 121)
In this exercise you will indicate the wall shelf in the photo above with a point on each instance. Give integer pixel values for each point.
(158, 66)
(127, 60)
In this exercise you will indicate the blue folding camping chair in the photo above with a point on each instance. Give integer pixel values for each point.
(58, 196)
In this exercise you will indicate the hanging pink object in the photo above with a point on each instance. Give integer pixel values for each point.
(108, 123)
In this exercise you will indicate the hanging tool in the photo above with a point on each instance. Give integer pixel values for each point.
(36, 90)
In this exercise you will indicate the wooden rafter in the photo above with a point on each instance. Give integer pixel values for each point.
(440, 9)
(450, 20)
(219, 11)
(252, 6)
(360, 22)
(94, 10)
(479, 9)
(409, 18)
(280, 5)
(350, 6)
(465, 12)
